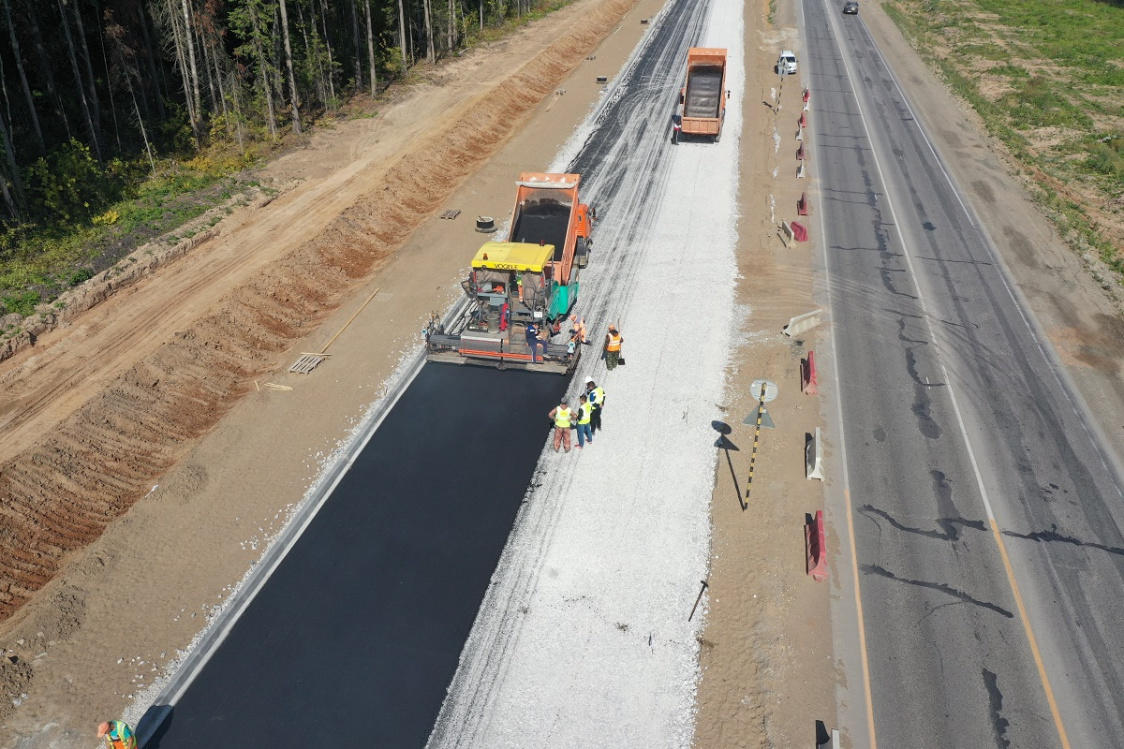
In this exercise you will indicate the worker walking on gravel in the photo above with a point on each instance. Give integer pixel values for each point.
(596, 396)
(562, 418)
(117, 734)
(613, 342)
(585, 415)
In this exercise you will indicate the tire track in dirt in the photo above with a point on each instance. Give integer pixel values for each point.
(62, 492)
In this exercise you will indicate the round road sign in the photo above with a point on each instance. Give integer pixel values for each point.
(770, 389)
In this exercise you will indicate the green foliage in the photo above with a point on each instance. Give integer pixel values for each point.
(23, 302)
(1106, 156)
(80, 276)
(68, 185)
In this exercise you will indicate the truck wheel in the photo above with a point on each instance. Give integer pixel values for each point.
(718, 137)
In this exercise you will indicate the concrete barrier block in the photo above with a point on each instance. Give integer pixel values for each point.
(800, 323)
(813, 457)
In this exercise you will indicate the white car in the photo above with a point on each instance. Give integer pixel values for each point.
(786, 63)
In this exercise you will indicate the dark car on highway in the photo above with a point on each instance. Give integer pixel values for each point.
(851, 9)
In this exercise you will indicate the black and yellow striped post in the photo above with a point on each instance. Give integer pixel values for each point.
(756, 439)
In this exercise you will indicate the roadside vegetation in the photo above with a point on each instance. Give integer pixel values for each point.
(124, 119)
(1047, 78)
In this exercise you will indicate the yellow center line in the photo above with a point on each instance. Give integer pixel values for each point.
(1029, 635)
(862, 625)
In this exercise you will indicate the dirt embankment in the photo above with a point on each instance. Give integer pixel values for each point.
(61, 491)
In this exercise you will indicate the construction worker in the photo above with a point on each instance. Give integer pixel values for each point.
(117, 734)
(561, 416)
(577, 329)
(613, 342)
(596, 398)
(534, 342)
(585, 415)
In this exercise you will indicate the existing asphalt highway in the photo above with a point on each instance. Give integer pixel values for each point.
(987, 514)
(354, 637)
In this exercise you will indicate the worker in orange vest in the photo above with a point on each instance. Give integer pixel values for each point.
(117, 734)
(562, 418)
(613, 342)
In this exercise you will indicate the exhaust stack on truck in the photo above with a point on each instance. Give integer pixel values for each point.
(702, 100)
(528, 280)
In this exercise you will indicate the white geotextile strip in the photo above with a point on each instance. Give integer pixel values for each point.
(583, 640)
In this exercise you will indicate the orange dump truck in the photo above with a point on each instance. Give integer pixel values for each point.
(524, 285)
(702, 100)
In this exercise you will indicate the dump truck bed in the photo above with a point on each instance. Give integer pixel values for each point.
(704, 92)
(703, 97)
(543, 222)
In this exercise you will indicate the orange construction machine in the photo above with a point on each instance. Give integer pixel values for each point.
(521, 290)
(702, 100)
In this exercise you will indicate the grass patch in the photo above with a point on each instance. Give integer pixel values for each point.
(1061, 113)
(39, 263)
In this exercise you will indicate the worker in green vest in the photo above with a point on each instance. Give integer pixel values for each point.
(596, 396)
(585, 413)
(117, 734)
(562, 418)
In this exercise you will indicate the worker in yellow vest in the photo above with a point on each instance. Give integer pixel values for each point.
(596, 396)
(562, 418)
(585, 414)
(613, 342)
(117, 734)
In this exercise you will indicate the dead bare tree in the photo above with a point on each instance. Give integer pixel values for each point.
(294, 94)
(23, 77)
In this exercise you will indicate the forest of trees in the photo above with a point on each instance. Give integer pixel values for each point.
(96, 92)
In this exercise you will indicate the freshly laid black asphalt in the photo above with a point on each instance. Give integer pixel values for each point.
(357, 634)
(951, 664)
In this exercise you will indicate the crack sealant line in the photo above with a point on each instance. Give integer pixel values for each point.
(908, 254)
(1061, 376)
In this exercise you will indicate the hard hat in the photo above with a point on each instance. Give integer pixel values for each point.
(588, 380)
(103, 729)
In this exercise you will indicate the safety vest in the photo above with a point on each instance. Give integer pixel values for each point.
(562, 418)
(584, 412)
(614, 342)
(597, 397)
(120, 736)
